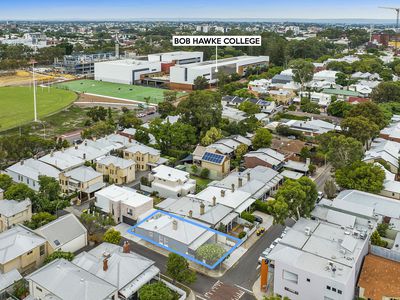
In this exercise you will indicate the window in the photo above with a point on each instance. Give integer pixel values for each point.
(333, 289)
(42, 250)
(289, 276)
(339, 292)
(130, 212)
(328, 287)
(29, 253)
(39, 289)
(308, 280)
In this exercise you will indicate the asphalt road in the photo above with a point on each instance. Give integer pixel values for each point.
(242, 275)
(322, 178)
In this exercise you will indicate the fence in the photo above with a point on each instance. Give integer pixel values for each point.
(386, 253)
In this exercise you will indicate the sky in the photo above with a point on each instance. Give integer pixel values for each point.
(219, 9)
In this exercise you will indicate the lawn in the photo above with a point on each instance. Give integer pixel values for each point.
(16, 104)
(125, 91)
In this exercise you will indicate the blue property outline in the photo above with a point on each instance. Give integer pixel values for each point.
(238, 241)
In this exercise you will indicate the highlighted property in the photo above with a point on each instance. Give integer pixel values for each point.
(192, 240)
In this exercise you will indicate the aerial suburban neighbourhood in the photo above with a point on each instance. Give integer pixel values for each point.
(199, 151)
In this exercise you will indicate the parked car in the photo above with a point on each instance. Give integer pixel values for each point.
(320, 196)
(258, 219)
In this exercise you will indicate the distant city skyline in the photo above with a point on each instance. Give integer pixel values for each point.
(206, 9)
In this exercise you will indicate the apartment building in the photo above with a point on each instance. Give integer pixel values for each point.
(14, 212)
(170, 182)
(116, 170)
(320, 259)
(122, 203)
(144, 156)
(83, 180)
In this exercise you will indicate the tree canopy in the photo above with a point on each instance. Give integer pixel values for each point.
(178, 269)
(262, 138)
(361, 176)
(202, 110)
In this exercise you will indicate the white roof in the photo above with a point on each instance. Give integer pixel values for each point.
(138, 147)
(17, 241)
(10, 208)
(116, 161)
(381, 205)
(125, 195)
(67, 281)
(62, 230)
(83, 174)
(33, 168)
(8, 279)
(86, 151)
(127, 271)
(185, 232)
(268, 155)
(170, 174)
(231, 199)
(62, 160)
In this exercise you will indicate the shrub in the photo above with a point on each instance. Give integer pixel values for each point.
(248, 216)
(242, 235)
(204, 173)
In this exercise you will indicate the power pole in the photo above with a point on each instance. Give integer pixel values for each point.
(397, 9)
(34, 90)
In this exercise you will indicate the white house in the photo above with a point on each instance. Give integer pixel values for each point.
(171, 182)
(325, 75)
(64, 234)
(123, 203)
(28, 172)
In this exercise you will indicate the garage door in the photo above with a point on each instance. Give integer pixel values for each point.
(128, 221)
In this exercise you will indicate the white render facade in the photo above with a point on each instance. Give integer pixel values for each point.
(171, 182)
(321, 259)
(126, 71)
(186, 74)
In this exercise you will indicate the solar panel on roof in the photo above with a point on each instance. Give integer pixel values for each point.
(213, 157)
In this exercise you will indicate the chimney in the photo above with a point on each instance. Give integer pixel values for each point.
(190, 213)
(202, 208)
(85, 143)
(62, 149)
(76, 146)
(240, 182)
(22, 162)
(126, 247)
(248, 176)
(84, 155)
(233, 187)
(51, 153)
(214, 201)
(105, 264)
(175, 225)
(222, 193)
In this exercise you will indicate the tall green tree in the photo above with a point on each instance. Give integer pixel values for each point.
(343, 151)
(359, 128)
(202, 110)
(339, 108)
(361, 176)
(178, 269)
(5, 181)
(177, 136)
(249, 107)
(112, 236)
(262, 138)
(19, 191)
(302, 70)
(212, 135)
(386, 91)
(200, 83)
(371, 111)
